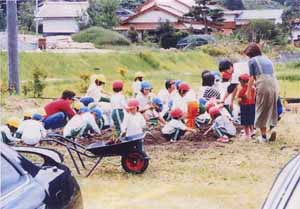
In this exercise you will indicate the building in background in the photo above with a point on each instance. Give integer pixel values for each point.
(61, 18)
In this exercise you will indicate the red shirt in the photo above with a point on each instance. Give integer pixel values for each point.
(242, 95)
(59, 105)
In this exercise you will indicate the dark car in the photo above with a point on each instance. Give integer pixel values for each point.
(285, 192)
(192, 41)
(28, 185)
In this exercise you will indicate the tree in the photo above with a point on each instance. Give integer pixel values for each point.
(263, 30)
(133, 35)
(290, 16)
(202, 12)
(234, 4)
(2, 20)
(103, 13)
(26, 16)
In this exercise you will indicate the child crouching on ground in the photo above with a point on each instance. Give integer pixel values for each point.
(175, 128)
(8, 131)
(134, 122)
(247, 106)
(152, 115)
(222, 126)
(118, 104)
(82, 123)
(31, 131)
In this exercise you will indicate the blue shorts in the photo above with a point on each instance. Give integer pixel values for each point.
(247, 114)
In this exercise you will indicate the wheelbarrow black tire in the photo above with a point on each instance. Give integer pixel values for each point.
(135, 162)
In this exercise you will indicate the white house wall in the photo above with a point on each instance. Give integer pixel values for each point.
(60, 26)
(154, 16)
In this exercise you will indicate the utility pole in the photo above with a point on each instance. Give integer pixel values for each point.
(36, 21)
(12, 37)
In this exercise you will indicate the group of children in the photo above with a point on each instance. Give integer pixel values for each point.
(176, 109)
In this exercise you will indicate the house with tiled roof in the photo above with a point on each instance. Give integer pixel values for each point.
(149, 15)
(60, 18)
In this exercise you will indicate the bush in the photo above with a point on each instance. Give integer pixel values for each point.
(214, 51)
(147, 57)
(36, 85)
(100, 36)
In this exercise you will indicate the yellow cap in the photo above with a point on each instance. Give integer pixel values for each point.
(139, 74)
(101, 78)
(13, 121)
(77, 105)
(28, 113)
(93, 78)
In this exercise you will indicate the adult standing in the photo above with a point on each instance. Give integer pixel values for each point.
(263, 76)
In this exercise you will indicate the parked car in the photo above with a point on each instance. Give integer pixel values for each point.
(285, 191)
(27, 185)
(195, 40)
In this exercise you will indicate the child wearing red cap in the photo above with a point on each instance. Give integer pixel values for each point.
(222, 126)
(247, 105)
(118, 104)
(134, 122)
(175, 128)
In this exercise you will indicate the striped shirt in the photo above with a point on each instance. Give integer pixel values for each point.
(210, 92)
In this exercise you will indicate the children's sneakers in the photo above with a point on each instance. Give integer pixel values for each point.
(172, 140)
(223, 139)
(262, 139)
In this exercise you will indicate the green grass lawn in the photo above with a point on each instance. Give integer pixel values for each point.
(64, 70)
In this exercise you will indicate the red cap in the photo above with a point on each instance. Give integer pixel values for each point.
(117, 84)
(176, 113)
(214, 111)
(184, 87)
(209, 105)
(244, 77)
(132, 103)
(226, 75)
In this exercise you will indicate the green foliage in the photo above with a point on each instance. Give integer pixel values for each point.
(234, 4)
(2, 20)
(26, 16)
(147, 57)
(167, 36)
(214, 50)
(133, 35)
(102, 13)
(201, 12)
(85, 80)
(263, 30)
(290, 16)
(100, 36)
(37, 85)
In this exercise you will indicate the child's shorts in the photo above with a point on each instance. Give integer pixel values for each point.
(247, 114)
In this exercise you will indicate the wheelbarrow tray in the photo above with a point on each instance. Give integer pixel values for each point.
(122, 148)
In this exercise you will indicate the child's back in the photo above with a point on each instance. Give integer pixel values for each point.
(223, 122)
(32, 131)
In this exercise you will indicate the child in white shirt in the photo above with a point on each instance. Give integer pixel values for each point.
(118, 104)
(134, 122)
(82, 123)
(153, 116)
(136, 86)
(175, 128)
(179, 101)
(32, 131)
(144, 97)
(222, 126)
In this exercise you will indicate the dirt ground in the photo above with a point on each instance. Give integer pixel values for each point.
(194, 173)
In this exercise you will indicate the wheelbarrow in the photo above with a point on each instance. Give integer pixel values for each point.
(133, 157)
